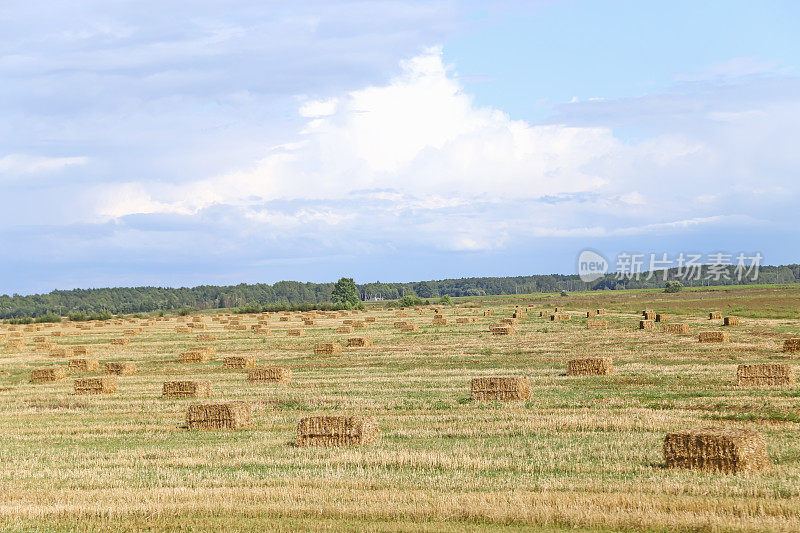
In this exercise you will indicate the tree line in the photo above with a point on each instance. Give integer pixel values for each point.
(293, 294)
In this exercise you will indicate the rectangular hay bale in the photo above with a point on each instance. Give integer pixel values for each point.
(771, 374)
(713, 336)
(186, 389)
(359, 342)
(791, 345)
(269, 374)
(727, 450)
(239, 362)
(48, 375)
(590, 366)
(327, 348)
(84, 364)
(504, 388)
(730, 321)
(212, 416)
(336, 431)
(121, 368)
(101, 385)
(502, 330)
(682, 329)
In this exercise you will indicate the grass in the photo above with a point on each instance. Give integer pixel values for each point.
(584, 454)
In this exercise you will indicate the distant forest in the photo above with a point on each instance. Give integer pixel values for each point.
(124, 300)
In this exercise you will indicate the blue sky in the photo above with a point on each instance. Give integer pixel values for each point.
(180, 143)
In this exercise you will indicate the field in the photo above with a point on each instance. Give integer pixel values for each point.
(584, 454)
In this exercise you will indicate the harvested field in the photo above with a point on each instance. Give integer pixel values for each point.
(582, 453)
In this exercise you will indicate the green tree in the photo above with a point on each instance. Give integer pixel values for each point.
(345, 293)
(673, 286)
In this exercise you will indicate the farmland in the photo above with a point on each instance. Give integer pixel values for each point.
(583, 453)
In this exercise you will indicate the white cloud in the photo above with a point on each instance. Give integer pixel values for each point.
(419, 135)
(22, 165)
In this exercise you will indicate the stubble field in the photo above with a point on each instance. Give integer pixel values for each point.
(585, 453)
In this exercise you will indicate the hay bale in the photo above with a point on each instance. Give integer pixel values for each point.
(713, 336)
(186, 389)
(227, 415)
(130, 332)
(591, 314)
(295, 332)
(239, 362)
(84, 364)
(370, 319)
(45, 346)
(39, 339)
(646, 324)
(590, 366)
(122, 341)
(81, 350)
(509, 321)
(283, 319)
(269, 374)
(661, 317)
(359, 342)
(336, 431)
(558, 309)
(647, 312)
(791, 345)
(121, 368)
(772, 374)
(408, 328)
(649, 315)
(596, 324)
(344, 329)
(58, 352)
(504, 388)
(48, 375)
(728, 450)
(730, 321)
(206, 337)
(200, 354)
(682, 329)
(601, 311)
(466, 320)
(439, 321)
(502, 330)
(714, 315)
(488, 312)
(519, 314)
(309, 322)
(102, 385)
(557, 317)
(399, 324)
(15, 344)
(327, 348)
(182, 329)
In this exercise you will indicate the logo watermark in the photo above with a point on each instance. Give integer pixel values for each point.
(716, 266)
(591, 266)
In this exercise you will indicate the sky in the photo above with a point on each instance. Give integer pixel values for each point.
(204, 142)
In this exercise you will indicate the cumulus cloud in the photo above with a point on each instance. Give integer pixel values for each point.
(422, 138)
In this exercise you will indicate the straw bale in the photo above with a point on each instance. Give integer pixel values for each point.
(186, 389)
(773, 374)
(227, 415)
(269, 374)
(239, 362)
(336, 431)
(359, 342)
(121, 368)
(590, 366)
(713, 336)
(728, 450)
(48, 375)
(101, 385)
(327, 348)
(84, 364)
(501, 388)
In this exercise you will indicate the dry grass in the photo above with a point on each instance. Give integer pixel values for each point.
(581, 453)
